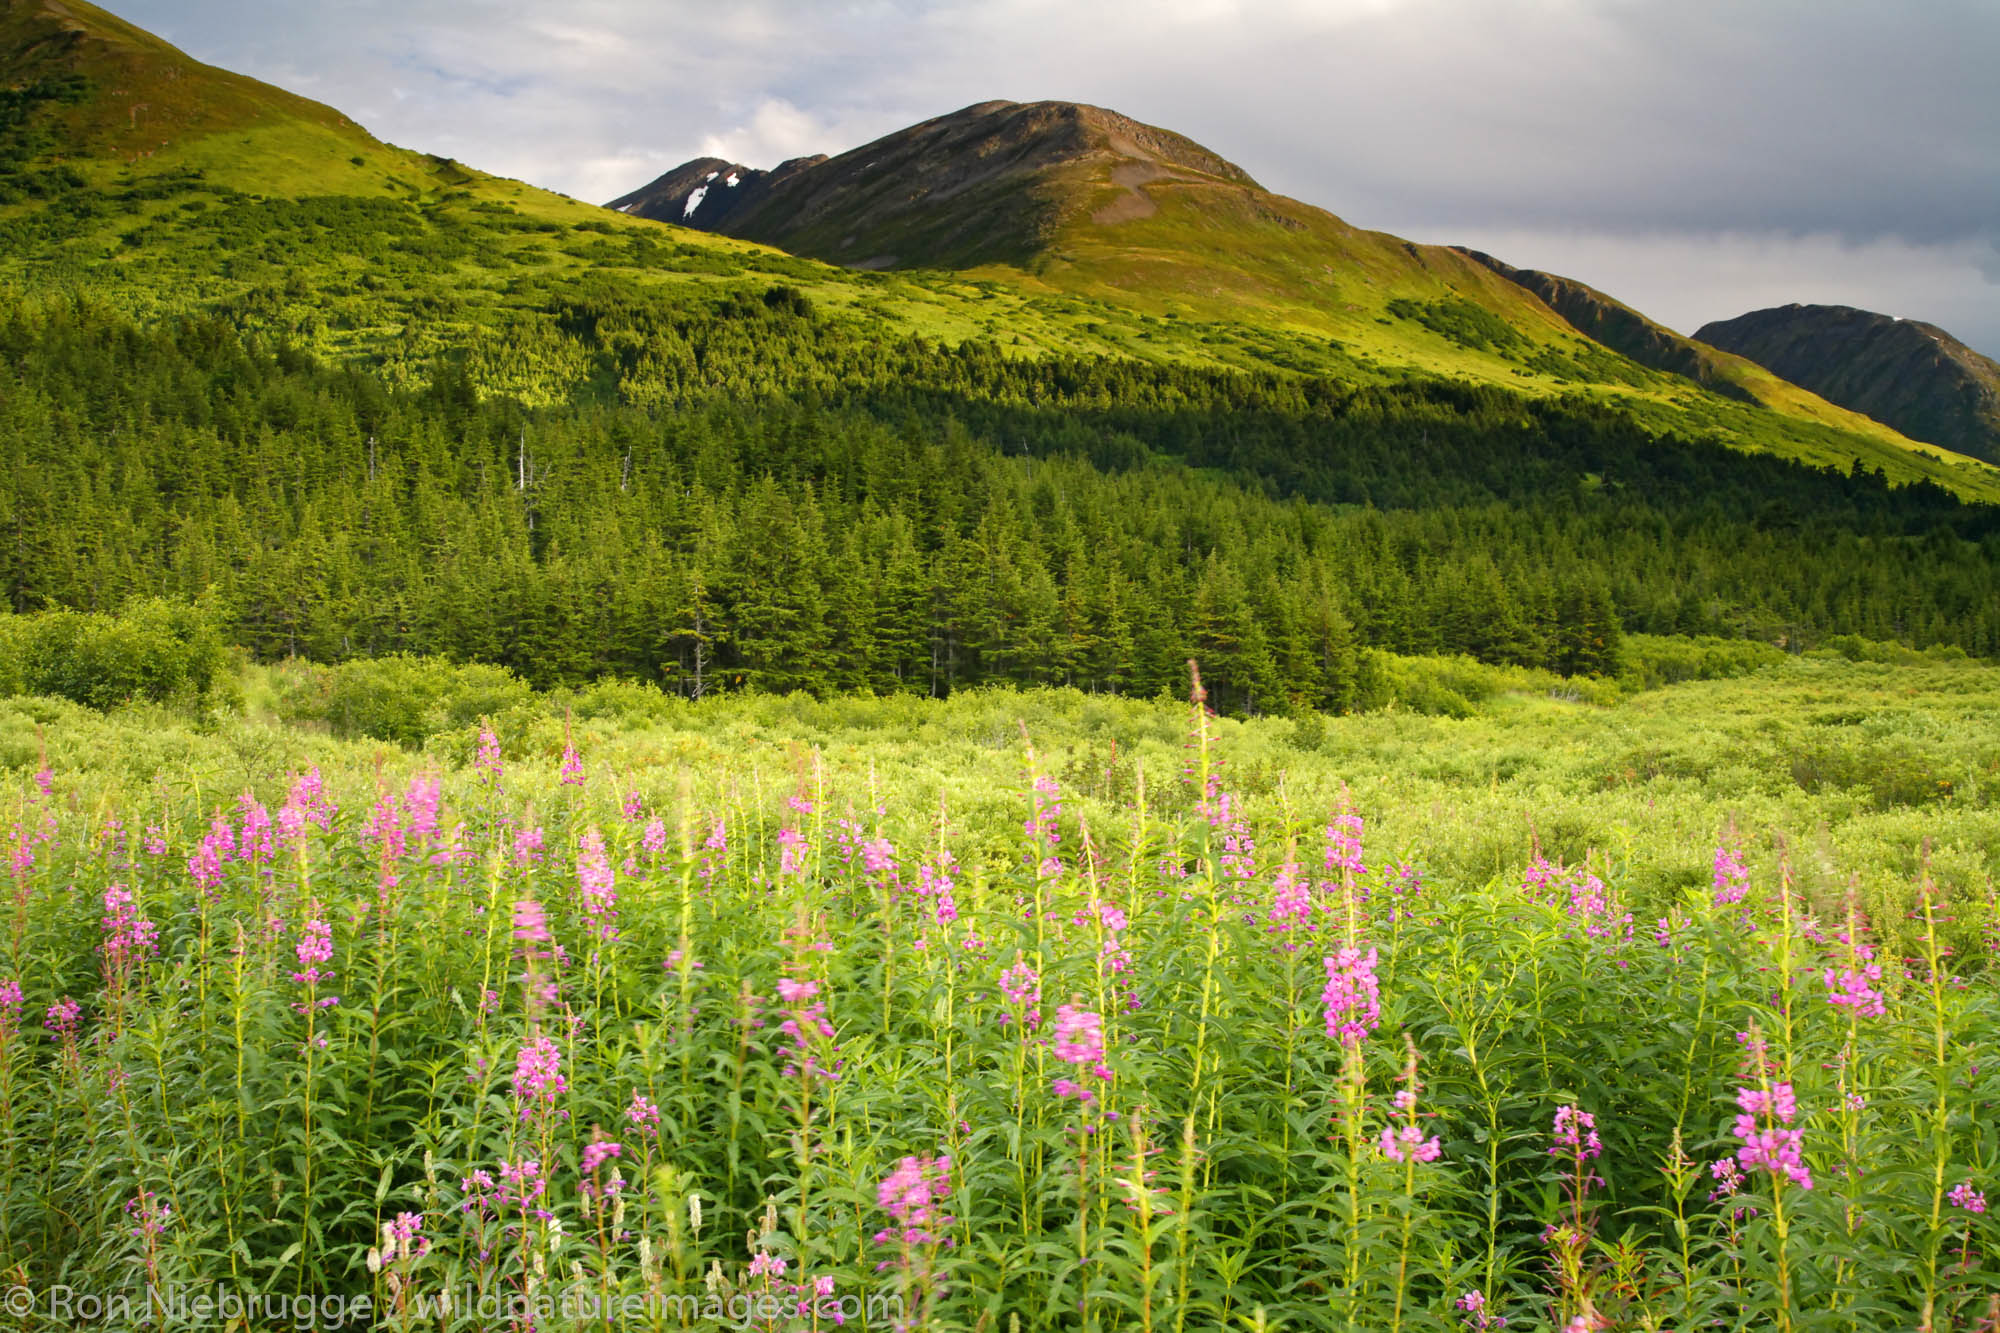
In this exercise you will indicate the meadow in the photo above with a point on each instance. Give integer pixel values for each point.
(1659, 1008)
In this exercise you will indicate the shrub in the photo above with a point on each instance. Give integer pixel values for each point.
(154, 651)
(1653, 660)
(402, 697)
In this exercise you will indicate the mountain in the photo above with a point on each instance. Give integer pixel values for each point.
(92, 87)
(1063, 199)
(989, 184)
(1904, 373)
(1626, 331)
(137, 178)
(362, 398)
(715, 188)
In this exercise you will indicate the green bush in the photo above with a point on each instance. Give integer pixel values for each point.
(1456, 686)
(402, 697)
(155, 651)
(1653, 660)
(1857, 649)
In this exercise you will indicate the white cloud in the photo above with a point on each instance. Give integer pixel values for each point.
(775, 131)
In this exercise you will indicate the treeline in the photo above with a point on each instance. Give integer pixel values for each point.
(943, 518)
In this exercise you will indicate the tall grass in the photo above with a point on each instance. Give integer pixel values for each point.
(1206, 1030)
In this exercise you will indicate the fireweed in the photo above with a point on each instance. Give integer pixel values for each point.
(741, 1038)
(1574, 1145)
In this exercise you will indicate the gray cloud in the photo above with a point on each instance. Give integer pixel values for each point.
(1679, 153)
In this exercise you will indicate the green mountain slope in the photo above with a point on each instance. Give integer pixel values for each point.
(1902, 372)
(1085, 203)
(136, 177)
(1060, 198)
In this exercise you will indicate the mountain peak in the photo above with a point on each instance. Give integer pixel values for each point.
(1902, 372)
(989, 183)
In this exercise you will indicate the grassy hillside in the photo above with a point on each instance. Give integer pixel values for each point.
(1187, 248)
(146, 180)
(1079, 201)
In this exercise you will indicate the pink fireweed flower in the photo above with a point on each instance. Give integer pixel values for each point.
(1853, 988)
(1042, 827)
(149, 1213)
(1575, 1135)
(128, 936)
(1767, 1144)
(1079, 1036)
(1078, 1041)
(1582, 896)
(1473, 1305)
(1406, 1142)
(597, 1152)
(406, 1238)
(21, 856)
(451, 849)
(1352, 996)
(791, 852)
(214, 851)
(1728, 1176)
(305, 806)
(912, 1195)
(1409, 1141)
(1343, 846)
(476, 1192)
(935, 882)
(572, 766)
(809, 1035)
(1238, 859)
(1964, 1196)
(714, 848)
(538, 1079)
(1405, 884)
(386, 829)
(1022, 986)
(1732, 878)
(528, 845)
(522, 1184)
(764, 1264)
(654, 840)
(487, 762)
(600, 896)
(315, 946)
(1291, 901)
(643, 1116)
(256, 840)
(10, 1004)
(878, 860)
(633, 808)
(531, 924)
(63, 1018)
(420, 806)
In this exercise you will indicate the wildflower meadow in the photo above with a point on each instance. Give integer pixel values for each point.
(553, 1024)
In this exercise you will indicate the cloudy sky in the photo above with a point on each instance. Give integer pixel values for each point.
(1695, 158)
